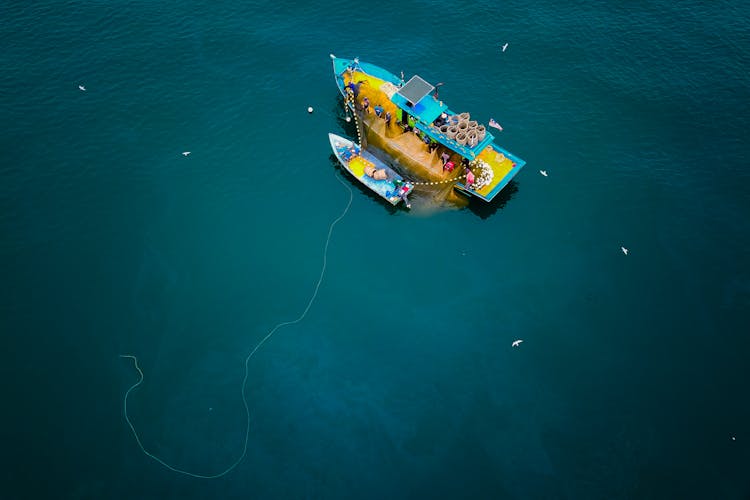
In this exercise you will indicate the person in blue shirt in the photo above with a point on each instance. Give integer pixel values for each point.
(378, 110)
(355, 86)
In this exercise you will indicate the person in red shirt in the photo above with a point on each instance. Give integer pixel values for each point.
(469, 179)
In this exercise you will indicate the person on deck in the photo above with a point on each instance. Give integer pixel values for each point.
(402, 190)
(469, 179)
(387, 117)
(441, 120)
(445, 157)
(366, 104)
(355, 86)
(378, 110)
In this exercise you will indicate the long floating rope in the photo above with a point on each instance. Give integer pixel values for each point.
(247, 360)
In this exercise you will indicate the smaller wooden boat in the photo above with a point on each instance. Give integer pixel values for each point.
(370, 171)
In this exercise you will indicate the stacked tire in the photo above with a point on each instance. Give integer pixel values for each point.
(469, 131)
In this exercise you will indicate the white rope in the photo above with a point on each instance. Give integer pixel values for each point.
(247, 360)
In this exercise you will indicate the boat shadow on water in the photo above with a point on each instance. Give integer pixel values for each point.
(484, 209)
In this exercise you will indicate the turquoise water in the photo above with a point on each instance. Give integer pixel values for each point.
(401, 380)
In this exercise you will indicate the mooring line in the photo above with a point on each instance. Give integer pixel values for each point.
(247, 360)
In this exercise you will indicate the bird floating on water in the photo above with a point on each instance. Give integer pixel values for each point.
(516, 343)
(624, 250)
(81, 87)
(543, 172)
(185, 153)
(505, 46)
(734, 438)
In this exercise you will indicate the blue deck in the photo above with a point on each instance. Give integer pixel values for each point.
(340, 65)
(426, 110)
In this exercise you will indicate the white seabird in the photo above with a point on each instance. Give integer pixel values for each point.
(543, 172)
(624, 250)
(505, 46)
(185, 153)
(516, 343)
(82, 88)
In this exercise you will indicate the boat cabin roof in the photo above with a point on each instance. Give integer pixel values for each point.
(415, 89)
(414, 98)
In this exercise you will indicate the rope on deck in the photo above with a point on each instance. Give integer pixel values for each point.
(350, 100)
(484, 177)
(435, 183)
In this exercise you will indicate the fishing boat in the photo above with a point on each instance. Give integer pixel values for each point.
(407, 121)
(370, 171)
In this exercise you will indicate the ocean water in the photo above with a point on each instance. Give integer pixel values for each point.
(400, 382)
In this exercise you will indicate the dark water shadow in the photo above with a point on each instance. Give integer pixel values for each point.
(484, 210)
(349, 129)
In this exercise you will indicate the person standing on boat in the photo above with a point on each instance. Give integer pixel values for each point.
(445, 157)
(402, 190)
(469, 179)
(387, 118)
(378, 110)
(366, 104)
(355, 87)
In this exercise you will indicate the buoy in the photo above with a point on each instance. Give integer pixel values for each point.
(348, 119)
(310, 110)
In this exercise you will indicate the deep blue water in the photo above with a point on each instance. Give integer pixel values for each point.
(401, 381)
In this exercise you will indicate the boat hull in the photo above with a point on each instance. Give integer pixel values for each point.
(358, 162)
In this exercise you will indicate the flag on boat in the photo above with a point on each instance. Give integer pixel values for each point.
(493, 123)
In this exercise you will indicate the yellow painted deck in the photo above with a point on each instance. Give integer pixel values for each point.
(391, 138)
(500, 164)
(409, 149)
